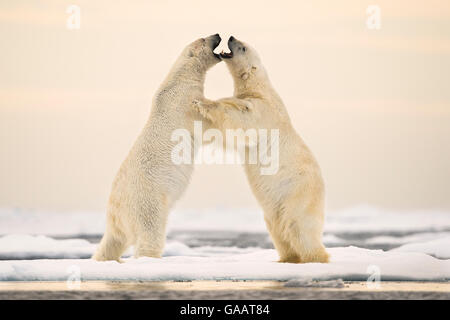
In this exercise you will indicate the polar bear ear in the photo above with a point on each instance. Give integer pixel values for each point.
(244, 76)
(190, 54)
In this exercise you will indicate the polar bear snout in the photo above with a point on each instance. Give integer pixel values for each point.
(235, 45)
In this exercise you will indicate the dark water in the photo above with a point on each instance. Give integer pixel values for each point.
(194, 239)
(262, 240)
(291, 294)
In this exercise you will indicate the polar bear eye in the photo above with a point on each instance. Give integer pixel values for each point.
(243, 49)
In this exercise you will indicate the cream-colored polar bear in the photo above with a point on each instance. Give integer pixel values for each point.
(148, 182)
(293, 197)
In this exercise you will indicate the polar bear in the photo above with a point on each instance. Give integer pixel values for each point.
(148, 182)
(293, 197)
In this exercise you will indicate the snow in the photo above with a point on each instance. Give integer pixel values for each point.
(220, 244)
(348, 263)
(18, 246)
(417, 237)
(355, 220)
(23, 221)
(439, 248)
(367, 219)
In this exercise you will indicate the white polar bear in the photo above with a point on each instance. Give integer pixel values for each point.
(293, 197)
(148, 182)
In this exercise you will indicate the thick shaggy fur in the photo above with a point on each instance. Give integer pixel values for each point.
(148, 182)
(293, 197)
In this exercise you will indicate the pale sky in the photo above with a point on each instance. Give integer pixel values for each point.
(373, 105)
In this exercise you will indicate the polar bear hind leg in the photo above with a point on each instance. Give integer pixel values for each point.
(307, 245)
(151, 240)
(304, 233)
(151, 229)
(111, 247)
(282, 245)
(297, 236)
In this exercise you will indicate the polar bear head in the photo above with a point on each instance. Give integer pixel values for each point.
(202, 51)
(243, 62)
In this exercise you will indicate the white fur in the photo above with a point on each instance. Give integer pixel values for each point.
(148, 182)
(293, 198)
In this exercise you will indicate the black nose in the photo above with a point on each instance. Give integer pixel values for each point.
(231, 39)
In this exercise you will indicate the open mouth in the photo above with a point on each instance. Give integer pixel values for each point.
(226, 55)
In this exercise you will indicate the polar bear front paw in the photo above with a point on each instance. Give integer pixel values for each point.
(200, 108)
(244, 106)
